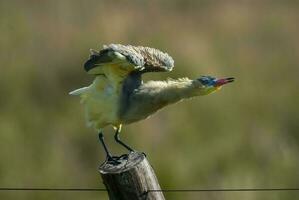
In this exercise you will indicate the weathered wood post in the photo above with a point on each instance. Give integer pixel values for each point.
(132, 179)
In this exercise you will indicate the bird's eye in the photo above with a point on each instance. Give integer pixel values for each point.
(207, 80)
(204, 80)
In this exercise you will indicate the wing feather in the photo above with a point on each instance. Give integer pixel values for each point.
(143, 59)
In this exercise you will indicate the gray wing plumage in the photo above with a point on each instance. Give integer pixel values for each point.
(144, 59)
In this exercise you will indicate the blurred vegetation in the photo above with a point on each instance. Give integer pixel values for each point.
(245, 136)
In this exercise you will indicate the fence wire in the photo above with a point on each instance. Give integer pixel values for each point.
(162, 190)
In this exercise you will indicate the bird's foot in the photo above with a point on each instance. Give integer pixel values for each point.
(112, 160)
(124, 156)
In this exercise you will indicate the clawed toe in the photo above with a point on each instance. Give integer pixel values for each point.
(124, 156)
(112, 160)
(144, 154)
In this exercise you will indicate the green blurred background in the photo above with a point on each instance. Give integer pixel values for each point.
(245, 136)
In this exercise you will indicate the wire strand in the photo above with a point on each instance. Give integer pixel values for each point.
(162, 190)
(54, 189)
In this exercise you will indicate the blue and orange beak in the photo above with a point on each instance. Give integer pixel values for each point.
(223, 81)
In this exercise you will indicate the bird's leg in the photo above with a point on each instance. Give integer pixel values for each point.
(109, 157)
(117, 139)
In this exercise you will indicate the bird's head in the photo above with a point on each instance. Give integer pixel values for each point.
(211, 84)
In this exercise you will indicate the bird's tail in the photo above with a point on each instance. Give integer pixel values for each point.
(79, 91)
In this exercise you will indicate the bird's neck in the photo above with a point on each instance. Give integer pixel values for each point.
(154, 95)
(172, 91)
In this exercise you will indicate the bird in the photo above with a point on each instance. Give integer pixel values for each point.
(118, 96)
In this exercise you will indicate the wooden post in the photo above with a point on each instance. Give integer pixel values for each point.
(132, 179)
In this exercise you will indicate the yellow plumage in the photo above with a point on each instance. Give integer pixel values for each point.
(101, 99)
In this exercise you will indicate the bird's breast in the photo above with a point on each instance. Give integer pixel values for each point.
(102, 103)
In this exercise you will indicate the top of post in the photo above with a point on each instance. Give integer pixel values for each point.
(126, 162)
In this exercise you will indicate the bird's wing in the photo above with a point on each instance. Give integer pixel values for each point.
(129, 58)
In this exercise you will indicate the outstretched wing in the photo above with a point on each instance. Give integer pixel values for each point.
(129, 58)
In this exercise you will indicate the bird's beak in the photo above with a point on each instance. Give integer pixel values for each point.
(223, 81)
